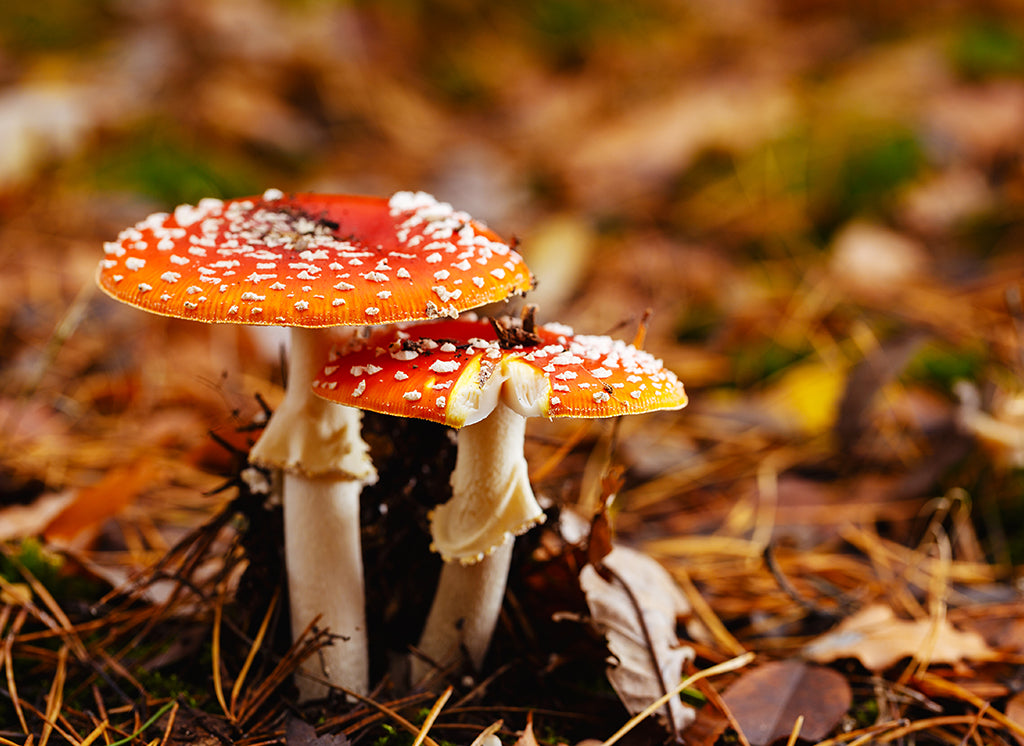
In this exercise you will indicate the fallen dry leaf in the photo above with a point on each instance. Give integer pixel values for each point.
(20, 521)
(876, 637)
(767, 701)
(1015, 711)
(637, 610)
(92, 505)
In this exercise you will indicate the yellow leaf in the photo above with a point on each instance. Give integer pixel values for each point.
(805, 396)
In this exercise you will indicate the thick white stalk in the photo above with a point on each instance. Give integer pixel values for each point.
(325, 578)
(491, 502)
(463, 615)
(325, 463)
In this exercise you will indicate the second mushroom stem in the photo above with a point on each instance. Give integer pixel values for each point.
(474, 531)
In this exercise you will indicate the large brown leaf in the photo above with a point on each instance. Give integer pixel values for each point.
(637, 607)
(767, 701)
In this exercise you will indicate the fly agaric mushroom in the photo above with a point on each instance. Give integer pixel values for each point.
(310, 261)
(487, 379)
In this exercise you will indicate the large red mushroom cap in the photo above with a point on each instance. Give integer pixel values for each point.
(311, 260)
(453, 372)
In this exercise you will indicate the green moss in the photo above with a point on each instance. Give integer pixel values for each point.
(875, 165)
(160, 685)
(753, 363)
(53, 25)
(941, 364)
(165, 167)
(987, 48)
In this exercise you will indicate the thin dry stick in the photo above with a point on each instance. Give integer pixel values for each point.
(253, 649)
(98, 731)
(707, 615)
(937, 722)
(432, 716)
(795, 734)
(937, 683)
(218, 688)
(973, 730)
(715, 698)
(730, 665)
(53, 724)
(55, 697)
(12, 689)
(170, 724)
(862, 736)
(490, 730)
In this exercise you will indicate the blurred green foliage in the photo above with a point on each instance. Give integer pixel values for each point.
(171, 169)
(53, 25)
(988, 48)
(940, 364)
(753, 363)
(48, 568)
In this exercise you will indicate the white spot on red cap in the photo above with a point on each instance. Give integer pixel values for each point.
(445, 366)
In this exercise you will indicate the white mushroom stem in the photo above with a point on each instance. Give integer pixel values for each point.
(491, 502)
(317, 444)
(325, 579)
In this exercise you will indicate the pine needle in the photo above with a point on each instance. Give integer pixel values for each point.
(730, 665)
(432, 716)
(253, 649)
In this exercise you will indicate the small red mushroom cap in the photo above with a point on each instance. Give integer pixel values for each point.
(311, 260)
(453, 372)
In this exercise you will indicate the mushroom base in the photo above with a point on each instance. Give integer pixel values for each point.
(462, 618)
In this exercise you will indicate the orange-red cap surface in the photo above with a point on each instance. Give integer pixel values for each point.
(450, 372)
(311, 260)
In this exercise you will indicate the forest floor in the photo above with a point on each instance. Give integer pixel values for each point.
(820, 205)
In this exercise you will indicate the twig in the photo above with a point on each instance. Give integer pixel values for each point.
(253, 649)
(218, 688)
(715, 698)
(432, 716)
(795, 734)
(730, 665)
(55, 697)
(790, 590)
(156, 716)
(12, 688)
